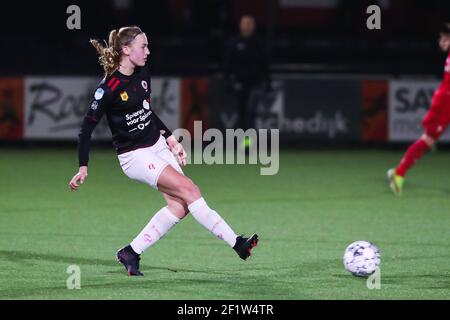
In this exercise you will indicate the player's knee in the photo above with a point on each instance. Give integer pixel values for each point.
(430, 141)
(190, 191)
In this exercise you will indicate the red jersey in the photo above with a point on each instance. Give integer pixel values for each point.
(444, 88)
(437, 118)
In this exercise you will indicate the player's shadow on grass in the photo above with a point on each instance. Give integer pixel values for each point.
(181, 287)
(23, 256)
(239, 283)
(140, 283)
(20, 256)
(145, 268)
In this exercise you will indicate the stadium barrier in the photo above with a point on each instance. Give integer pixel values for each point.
(304, 109)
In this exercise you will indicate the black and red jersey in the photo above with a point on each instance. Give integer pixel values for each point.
(126, 102)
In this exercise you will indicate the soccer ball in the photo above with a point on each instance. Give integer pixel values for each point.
(362, 258)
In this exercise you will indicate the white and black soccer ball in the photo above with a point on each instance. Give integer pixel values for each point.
(362, 258)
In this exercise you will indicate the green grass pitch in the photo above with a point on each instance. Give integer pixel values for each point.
(306, 215)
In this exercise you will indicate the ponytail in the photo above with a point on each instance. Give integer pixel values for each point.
(109, 54)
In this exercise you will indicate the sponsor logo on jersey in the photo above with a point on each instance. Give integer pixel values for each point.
(124, 96)
(99, 93)
(94, 105)
(146, 104)
(144, 85)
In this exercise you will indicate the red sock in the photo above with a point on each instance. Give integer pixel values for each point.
(414, 153)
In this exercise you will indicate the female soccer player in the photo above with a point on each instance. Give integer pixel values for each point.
(146, 148)
(435, 122)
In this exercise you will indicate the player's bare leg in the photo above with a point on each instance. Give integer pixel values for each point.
(176, 185)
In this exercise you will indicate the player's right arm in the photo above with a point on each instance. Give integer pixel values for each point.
(97, 107)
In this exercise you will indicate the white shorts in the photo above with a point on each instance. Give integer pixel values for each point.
(146, 164)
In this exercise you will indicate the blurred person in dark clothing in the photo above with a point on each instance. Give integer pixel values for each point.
(246, 68)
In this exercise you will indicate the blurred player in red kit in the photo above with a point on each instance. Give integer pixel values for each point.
(434, 123)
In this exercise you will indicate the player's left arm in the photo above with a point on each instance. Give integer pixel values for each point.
(97, 107)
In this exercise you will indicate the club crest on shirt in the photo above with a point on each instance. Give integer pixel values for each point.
(99, 93)
(144, 85)
(124, 96)
(146, 104)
